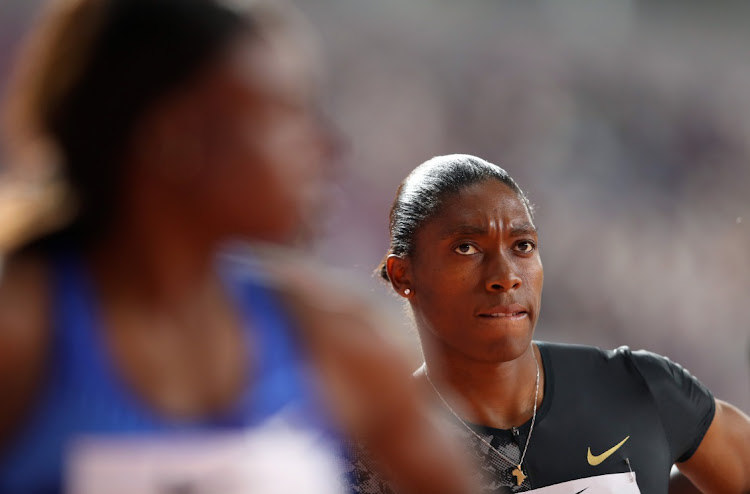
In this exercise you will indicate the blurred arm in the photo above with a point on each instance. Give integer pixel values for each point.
(721, 464)
(411, 453)
(369, 384)
(22, 340)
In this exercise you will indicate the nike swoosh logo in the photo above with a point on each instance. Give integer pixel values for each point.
(596, 460)
(579, 492)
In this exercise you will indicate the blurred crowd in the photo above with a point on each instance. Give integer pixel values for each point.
(627, 124)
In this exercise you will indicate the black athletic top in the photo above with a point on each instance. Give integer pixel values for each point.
(593, 401)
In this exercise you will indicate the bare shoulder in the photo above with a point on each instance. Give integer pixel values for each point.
(347, 336)
(331, 305)
(24, 312)
(24, 302)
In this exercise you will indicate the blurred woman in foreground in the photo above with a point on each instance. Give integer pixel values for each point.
(464, 252)
(176, 126)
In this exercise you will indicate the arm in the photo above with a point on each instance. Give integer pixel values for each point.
(378, 405)
(22, 340)
(721, 464)
(368, 383)
(679, 484)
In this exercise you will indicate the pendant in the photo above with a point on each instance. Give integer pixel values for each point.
(520, 476)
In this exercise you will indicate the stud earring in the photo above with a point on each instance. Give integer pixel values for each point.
(407, 291)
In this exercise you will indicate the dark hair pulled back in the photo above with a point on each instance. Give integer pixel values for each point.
(96, 67)
(422, 192)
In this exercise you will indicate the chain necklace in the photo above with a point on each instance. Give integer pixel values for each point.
(518, 471)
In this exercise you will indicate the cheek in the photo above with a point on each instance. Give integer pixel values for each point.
(249, 188)
(444, 288)
(534, 276)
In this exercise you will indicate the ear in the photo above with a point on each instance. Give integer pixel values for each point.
(399, 272)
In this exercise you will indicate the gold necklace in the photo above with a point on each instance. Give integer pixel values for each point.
(518, 471)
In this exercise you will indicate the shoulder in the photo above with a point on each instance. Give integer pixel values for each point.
(24, 300)
(24, 335)
(332, 307)
(327, 302)
(620, 367)
(359, 363)
(583, 355)
(668, 384)
(671, 382)
(647, 364)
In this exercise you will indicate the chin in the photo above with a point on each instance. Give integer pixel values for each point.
(506, 348)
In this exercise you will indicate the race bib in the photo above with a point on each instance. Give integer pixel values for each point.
(273, 459)
(615, 483)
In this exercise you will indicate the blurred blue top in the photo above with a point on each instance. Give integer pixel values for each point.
(83, 393)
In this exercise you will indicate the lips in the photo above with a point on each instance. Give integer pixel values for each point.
(513, 311)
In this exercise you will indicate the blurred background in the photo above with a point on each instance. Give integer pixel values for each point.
(627, 123)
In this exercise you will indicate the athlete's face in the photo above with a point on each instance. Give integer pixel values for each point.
(263, 148)
(477, 276)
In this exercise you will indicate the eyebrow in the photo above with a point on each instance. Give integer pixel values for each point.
(523, 229)
(464, 230)
(468, 230)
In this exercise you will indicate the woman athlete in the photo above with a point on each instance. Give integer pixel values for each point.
(464, 253)
(176, 126)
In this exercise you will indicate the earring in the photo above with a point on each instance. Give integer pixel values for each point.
(407, 291)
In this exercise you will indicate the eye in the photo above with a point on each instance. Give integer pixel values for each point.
(465, 249)
(525, 247)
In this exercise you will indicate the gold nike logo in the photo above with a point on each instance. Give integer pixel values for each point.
(596, 460)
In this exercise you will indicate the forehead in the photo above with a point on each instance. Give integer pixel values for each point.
(276, 63)
(255, 71)
(488, 205)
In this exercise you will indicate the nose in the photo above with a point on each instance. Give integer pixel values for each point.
(502, 276)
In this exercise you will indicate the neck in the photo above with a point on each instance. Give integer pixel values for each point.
(495, 394)
(153, 257)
